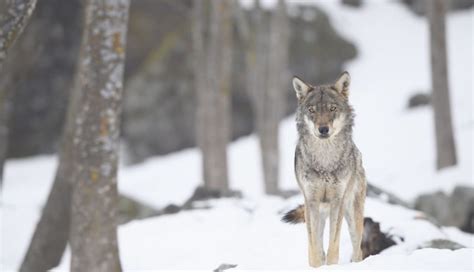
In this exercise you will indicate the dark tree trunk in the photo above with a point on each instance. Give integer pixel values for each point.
(14, 16)
(445, 146)
(52, 231)
(212, 39)
(93, 234)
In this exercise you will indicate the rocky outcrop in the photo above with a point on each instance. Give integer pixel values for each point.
(419, 100)
(456, 209)
(352, 3)
(442, 244)
(160, 99)
(159, 96)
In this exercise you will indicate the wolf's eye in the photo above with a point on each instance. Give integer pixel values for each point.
(311, 109)
(333, 108)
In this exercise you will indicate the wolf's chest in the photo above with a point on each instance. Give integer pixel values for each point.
(324, 177)
(324, 186)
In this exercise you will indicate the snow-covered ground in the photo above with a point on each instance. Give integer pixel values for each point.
(397, 145)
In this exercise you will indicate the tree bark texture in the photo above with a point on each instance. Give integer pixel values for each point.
(52, 231)
(93, 234)
(212, 41)
(51, 234)
(445, 145)
(274, 96)
(267, 79)
(14, 16)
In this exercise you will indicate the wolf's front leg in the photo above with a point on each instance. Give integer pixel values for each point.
(313, 223)
(335, 222)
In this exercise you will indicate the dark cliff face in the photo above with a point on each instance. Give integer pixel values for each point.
(159, 95)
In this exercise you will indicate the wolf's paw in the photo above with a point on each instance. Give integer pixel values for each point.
(356, 257)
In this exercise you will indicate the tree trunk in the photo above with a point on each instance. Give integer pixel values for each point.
(267, 79)
(52, 231)
(445, 146)
(212, 39)
(14, 16)
(93, 234)
(274, 96)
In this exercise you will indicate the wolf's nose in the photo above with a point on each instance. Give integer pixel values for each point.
(323, 130)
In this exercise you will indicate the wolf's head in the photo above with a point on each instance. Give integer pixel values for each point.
(323, 111)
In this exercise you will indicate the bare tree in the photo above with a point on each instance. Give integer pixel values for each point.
(445, 146)
(274, 96)
(93, 233)
(266, 57)
(212, 41)
(52, 231)
(14, 16)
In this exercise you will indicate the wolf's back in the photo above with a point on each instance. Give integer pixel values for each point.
(294, 216)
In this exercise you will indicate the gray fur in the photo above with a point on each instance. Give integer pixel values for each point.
(328, 166)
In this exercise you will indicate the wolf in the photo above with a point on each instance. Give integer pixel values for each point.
(328, 168)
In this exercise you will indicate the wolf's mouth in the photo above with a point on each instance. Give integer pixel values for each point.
(323, 136)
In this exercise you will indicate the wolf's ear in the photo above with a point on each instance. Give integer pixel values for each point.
(301, 88)
(342, 84)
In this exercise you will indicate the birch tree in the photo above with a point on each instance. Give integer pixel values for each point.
(445, 146)
(93, 233)
(14, 16)
(212, 45)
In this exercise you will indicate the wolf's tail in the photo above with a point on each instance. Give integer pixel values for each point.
(294, 216)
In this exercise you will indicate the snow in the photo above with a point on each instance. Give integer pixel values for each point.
(397, 145)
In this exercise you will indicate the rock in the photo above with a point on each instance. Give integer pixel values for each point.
(435, 205)
(130, 209)
(419, 6)
(454, 210)
(171, 209)
(376, 192)
(442, 244)
(469, 224)
(462, 208)
(418, 100)
(373, 240)
(352, 3)
(202, 193)
(224, 267)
